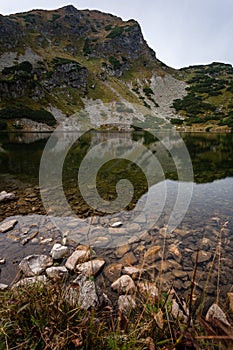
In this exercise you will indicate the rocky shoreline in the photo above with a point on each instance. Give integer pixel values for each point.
(154, 255)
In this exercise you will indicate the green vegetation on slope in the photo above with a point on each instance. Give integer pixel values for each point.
(209, 95)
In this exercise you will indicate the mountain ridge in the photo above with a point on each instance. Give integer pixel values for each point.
(59, 61)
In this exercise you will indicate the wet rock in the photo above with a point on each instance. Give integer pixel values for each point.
(122, 250)
(128, 259)
(139, 249)
(151, 254)
(113, 271)
(215, 312)
(120, 231)
(46, 240)
(29, 238)
(30, 280)
(3, 286)
(34, 265)
(57, 272)
(78, 256)
(167, 265)
(179, 273)
(148, 289)
(230, 298)
(5, 197)
(126, 303)
(7, 225)
(202, 256)
(88, 297)
(175, 252)
(181, 233)
(116, 224)
(124, 284)
(59, 251)
(90, 268)
(134, 228)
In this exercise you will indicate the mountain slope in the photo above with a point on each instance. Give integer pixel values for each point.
(55, 63)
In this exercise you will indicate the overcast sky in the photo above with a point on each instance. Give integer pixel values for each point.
(181, 32)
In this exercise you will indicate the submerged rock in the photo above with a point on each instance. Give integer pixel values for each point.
(202, 256)
(7, 225)
(5, 197)
(151, 254)
(34, 265)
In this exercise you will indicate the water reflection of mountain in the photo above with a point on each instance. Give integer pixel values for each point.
(211, 155)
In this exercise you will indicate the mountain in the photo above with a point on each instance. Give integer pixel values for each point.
(55, 64)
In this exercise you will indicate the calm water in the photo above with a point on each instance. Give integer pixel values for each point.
(211, 156)
(163, 175)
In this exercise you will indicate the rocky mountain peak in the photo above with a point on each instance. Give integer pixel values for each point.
(70, 9)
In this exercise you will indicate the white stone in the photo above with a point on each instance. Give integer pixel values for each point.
(126, 303)
(177, 313)
(216, 312)
(124, 284)
(31, 280)
(90, 268)
(59, 251)
(116, 224)
(57, 272)
(34, 265)
(149, 289)
(131, 270)
(76, 257)
(7, 225)
(3, 286)
(46, 240)
(87, 296)
(2, 261)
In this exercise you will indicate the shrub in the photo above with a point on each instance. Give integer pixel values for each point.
(115, 32)
(148, 91)
(24, 66)
(114, 62)
(87, 47)
(176, 121)
(55, 16)
(108, 27)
